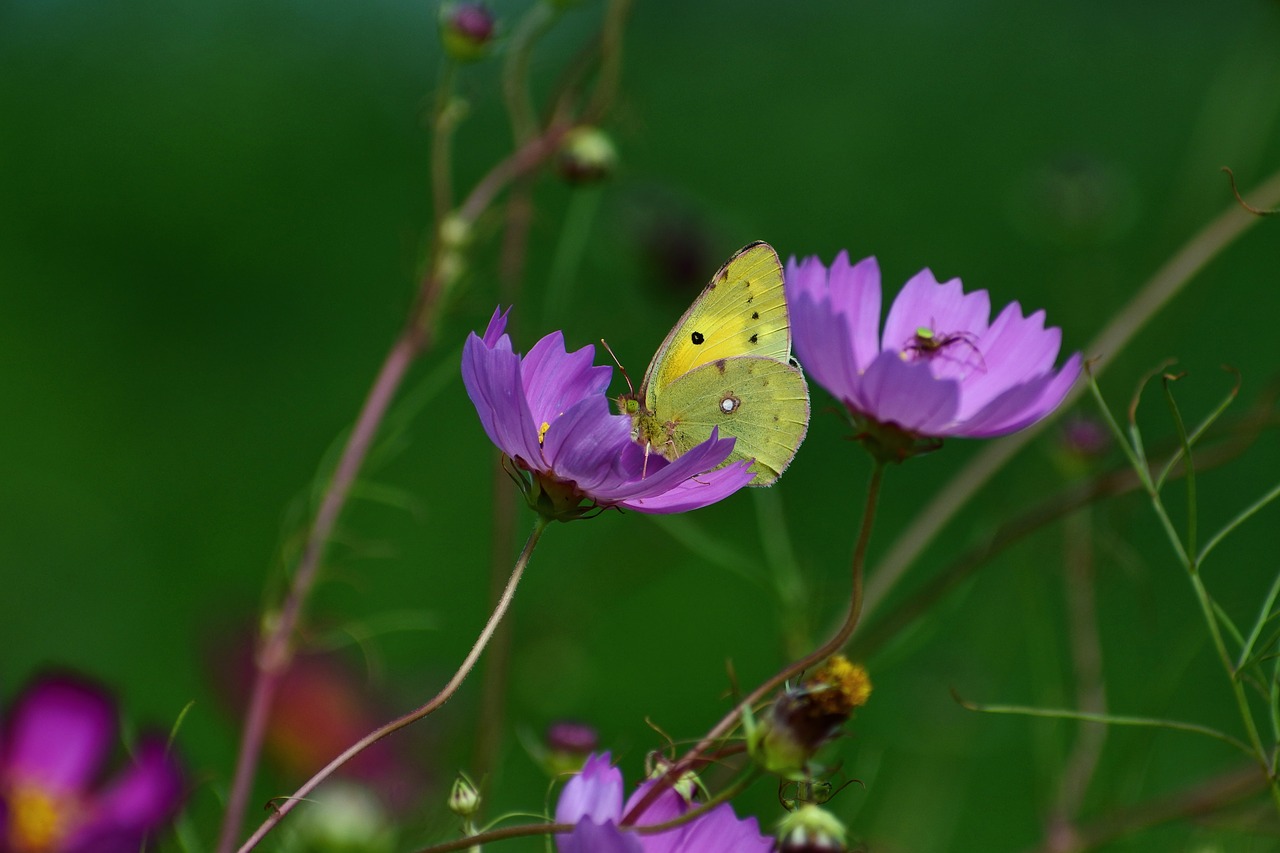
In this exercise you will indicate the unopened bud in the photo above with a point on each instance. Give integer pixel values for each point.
(464, 799)
(568, 745)
(455, 232)
(467, 31)
(1085, 437)
(586, 156)
(346, 818)
(568, 736)
(811, 829)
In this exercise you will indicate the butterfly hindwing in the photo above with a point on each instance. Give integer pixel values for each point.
(762, 402)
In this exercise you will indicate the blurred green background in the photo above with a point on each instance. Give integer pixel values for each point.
(212, 219)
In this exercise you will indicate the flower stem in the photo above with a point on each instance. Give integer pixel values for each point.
(1205, 800)
(276, 650)
(523, 830)
(888, 623)
(830, 647)
(515, 72)
(443, 120)
(287, 804)
(693, 814)
(1080, 595)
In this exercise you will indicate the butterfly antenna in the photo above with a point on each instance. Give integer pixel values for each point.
(631, 389)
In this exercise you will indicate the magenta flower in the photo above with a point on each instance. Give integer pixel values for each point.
(548, 413)
(941, 367)
(53, 748)
(592, 801)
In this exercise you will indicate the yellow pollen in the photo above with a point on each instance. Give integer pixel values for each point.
(38, 821)
(848, 683)
(542, 432)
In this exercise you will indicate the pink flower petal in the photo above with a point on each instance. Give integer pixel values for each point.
(943, 308)
(143, 798)
(553, 380)
(60, 734)
(582, 444)
(594, 794)
(491, 376)
(907, 394)
(1023, 405)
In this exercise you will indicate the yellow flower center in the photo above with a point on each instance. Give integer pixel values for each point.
(848, 685)
(542, 432)
(38, 820)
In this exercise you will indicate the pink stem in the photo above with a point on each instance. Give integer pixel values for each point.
(273, 658)
(288, 803)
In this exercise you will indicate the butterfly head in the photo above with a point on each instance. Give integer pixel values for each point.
(628, 404)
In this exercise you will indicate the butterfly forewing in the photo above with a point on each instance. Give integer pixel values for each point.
(742, 312)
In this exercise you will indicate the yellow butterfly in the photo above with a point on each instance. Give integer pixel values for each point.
(727, 364)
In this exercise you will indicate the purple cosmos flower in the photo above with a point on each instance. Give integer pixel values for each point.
(592, 801)
(54, 744)
(547, 412)
(940, 367)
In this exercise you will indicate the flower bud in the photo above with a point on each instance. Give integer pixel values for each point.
(586, 156)
(806, 717)
(348, 818)
(568, 745)
(568, 736)
(688, 785)
(1085, 437)
(455, 232)
(1081, 444)
(466, 30)
(811, 829)
(464, 799)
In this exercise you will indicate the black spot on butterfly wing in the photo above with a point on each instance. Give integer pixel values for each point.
(755, 338)
(697, 339)
(755, 315)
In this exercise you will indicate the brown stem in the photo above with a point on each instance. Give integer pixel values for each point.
(1086, 656)
(1207, 797)
(276, 649)
(1111, 484)
(443, 121)
(417, 337)
(494, 684)
(523, 831)
(830, 647)
(610, 61)
(287, 804)
(276, 652)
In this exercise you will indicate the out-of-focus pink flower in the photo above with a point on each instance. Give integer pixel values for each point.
(55, 744)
